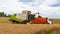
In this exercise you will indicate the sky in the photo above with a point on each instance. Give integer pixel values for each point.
(46, 8)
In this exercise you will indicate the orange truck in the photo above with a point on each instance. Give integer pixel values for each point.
(39, 21)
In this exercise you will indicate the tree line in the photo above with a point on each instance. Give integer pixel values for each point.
(4, 15)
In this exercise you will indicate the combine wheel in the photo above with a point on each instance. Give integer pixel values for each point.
(25, 22)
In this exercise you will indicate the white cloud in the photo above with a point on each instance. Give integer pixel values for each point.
(42, 6)
(48, 2)
(47, 11)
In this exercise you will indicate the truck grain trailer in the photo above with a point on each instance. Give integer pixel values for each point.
(39, 21)
(27, 17)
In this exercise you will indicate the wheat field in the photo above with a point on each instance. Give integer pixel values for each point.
(7, 28)
(4, 19)
(28, 28)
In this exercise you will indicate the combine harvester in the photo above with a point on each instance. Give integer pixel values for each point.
(27, 18)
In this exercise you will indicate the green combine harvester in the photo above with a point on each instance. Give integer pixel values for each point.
(14, 19)
(24, 18)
